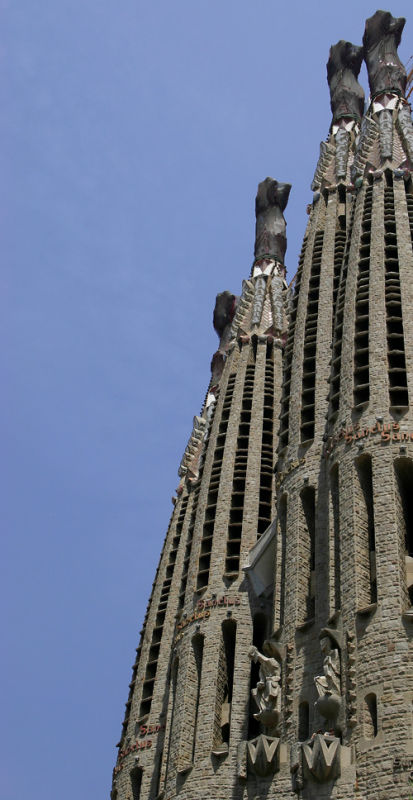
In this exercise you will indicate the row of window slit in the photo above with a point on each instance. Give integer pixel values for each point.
(310, 342)
(236, 513)
(212, 499)
(338, 318)
(395, 337)
(267, 446)
(288, 354)
(152, 663)
(361, 334)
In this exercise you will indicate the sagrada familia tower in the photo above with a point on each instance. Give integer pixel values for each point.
(274, 659)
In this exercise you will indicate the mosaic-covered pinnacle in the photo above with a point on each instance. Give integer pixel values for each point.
(270, 229)
(346, 94)
(381, 39)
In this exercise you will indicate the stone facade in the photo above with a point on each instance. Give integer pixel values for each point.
(275, 655)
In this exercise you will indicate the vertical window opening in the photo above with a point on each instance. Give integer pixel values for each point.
(404, 475)
(152, 663)
(307, 552)
(188, 548)
(172, 705)
(225, 683)
(288, 354)
(267, 447)
(393, 297)
(281, 550)
(303, 721)
(310, 343)
(258, 637)
(198, 651)
(212, 499)
(338, 317)
(335, 545)
(361, 336)
(236, 513)
(136, 782)
(370, 716)
(366, 552)
(339, 248)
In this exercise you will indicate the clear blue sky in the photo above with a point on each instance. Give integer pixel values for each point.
(133, 136)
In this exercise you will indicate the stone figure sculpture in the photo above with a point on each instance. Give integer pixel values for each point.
(270, 228)
(381, 39)
(346, 94)
(267, 693)
(328, 684)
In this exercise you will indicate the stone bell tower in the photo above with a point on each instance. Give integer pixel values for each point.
(275, 656)
(187, 711)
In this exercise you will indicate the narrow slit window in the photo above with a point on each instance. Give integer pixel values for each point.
(225, 683)
(307, 553)
(370, 716)
(258, 638)
(366, 560)
(303, 721)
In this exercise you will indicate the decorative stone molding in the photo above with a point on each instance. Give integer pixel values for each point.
(263, 755)
(386, 134)
(259, 296)
(189, 465)
(368, 133)
(242, 307)
(321, 757)
(326, 156)
(405, 128)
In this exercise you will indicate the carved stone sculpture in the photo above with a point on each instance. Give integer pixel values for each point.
(267, 693)
(346, 94)
(381, 39)
(328, 684)
(270, 229)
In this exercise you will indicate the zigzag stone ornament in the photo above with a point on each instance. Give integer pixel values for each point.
(321, 757)
(263, 755)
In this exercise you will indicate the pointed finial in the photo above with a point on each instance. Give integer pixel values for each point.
(346, 94)
(381, 39)
(270, 229)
